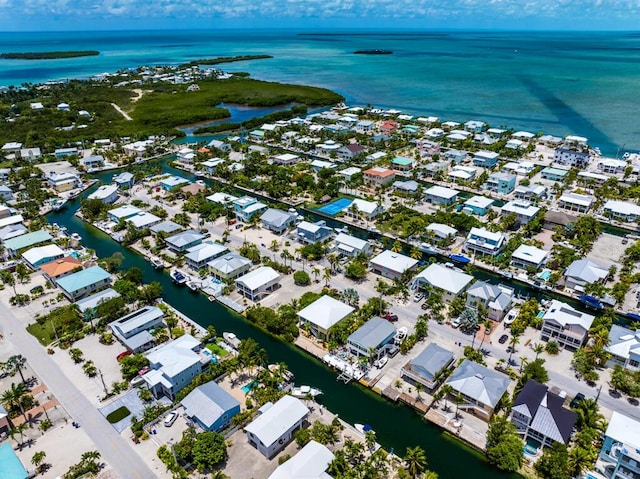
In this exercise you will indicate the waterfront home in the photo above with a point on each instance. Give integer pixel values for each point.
(132, 330)
(530, 193)
(539, 417)
(12, 220)
(582, 272)
(388, 126)
(137, 148)
(174, 365)
(260, 150)
(457, 156)
(272, 430)
(566, 325)
(390, 264)
(450, 125)
(321, 315)
(449, 281)
(623, 348)
(475, 126)
(557, 218)
(192, 189)
(30, 154)
(482, 241)
(173, 182)
(11, 148)
(224, 199)
(311, 233)
(258, 283)
(62, 182)
(550, 140)
(88, 306)
(219, 145)
(434, 133)
(93, 161)
(622, 211)
(124, 180)
(428, 148)
(210, 407)
(143, 220)
(328, 148)
(462, 173)
(351, 151)
(285, 159)
(36, 257)
(439, 195)
(515, 144)
(435, 167)
(106, 193)
(373, 339)
(553, 174)
(211, 164)
(277, 221)
(350, 246)
(480, 388)
(458, 135)
(60, 267)
(523, 210)
(521, 168)
(619, 457)
(19, 243)
(408, 187)
(576, 202)
(186, 155)
(83, 283)
(122, 213)
(311, 462)
(11, 231)
(199, 255)
(402, 164)
(5, 427)
(377, 156)
(441, 231)
(319, 165)
(378, 176)
(166, 226)
(527, 256)
(478, 205)
(591, 179)
(365, 126)
(256, 135)
(485, 159)
(611, 166)
(571, 157)
(349, 173)
(181, 242)
(229, 266)
(360, 208)
(64, 152)
(427, 366)
(496, 300)
(502, 183)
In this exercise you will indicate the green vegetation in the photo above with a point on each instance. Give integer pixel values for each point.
(88, 465)
(217, 350)
(118, 415)
(504, 446)
(298, 110)
(64, 323)
(48, 55)
(218, 60)
(130, 365)
(301, 278)
(283, 323)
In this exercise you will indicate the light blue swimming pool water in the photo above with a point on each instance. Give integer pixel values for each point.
(10, 465)
(74, 254)
(545, 275)
(336, 207)
(249, 387)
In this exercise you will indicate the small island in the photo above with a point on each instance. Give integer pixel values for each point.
(48, 55)
(373, 52)
(218, 60)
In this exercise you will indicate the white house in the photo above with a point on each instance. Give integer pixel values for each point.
(351, 246)
(439, 195)
(622, 210)
(611, 166)
(285, 159)
(441, 231)
(483, 241)
(570, 157)
(132, 330)
(229, 266)
(186, 155)
(364, 208)
(576, 202)
(526, 256)
(323, 314)
(624, 348)
(523, 210)
(619, 457)
(143, 220)
(35, 257)
(449, 281)
(277, 220)
(584, 271)
(496, 299)
(106, 193)
(566, 325)
(257, 284)
(311, 462)
(199, 255)
(392, 265)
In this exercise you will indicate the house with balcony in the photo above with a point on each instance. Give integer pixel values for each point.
(455, 156)
(124, 180)
(450, 281)
(566, 325)
(246, 207)
(435, 168)
(576, 202)
(620, 457)
(210, 406)
(181, 242)
(321, 315)
(311, 462)
(258, 283)
(484, 242)
(485, 159)
(229, 266)
(60, 267)
(200, 255)
(591, 179)
(554, 174)
(276, 220)
(478, 205)
(122, 213)
(624, 348)
(186, 155)
(360, 208)
(390, 264)
(502, 183)
(428, 365)
(527, 256)
(622, 211)
(402, 164)
(312, 233)
(173, 182)
(83, 283)
(496, 299)
(531, 193)
(351, 151)
(373, 339)
(378, 176)
(62, 182)
(461, 173)
(132, 330)
(440, 195)
(571, 157)
(584, 271)
(350, 246)
(14, 246)
(143, 220)
(611, 166)
(523, 210)
(285, 159)
(106, 193)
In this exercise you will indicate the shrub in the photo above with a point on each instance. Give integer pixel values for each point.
(118, 415)
(301, 278)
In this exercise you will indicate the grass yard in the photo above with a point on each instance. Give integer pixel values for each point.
(217, 350)
(42, 332)
(118, 415)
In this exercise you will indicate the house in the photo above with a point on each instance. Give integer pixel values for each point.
(478, 205)
(624, 348)
(373, 339)
(319, 165)
(456, 156)
(435, 133)
(62, 182)
(181, 242)
(566, 325)
(378, 176)
(285, 159)
(553, 174)
(192, 189)
(89, 305)
(571, 157)
(200, 255)
(63, 106)
(258, 283)
(30, 154)
(36, 106)
(523, 210)
(530, 193)
(349, 173)
(143, 220)
(521, 168)
(458, 135)
(622, 211)
(483, 241)
(475, 126)
(480, 388)
(35, 257)
(402, 164)
(229, 266)
(311, 462)
(64, 152)
(462, 173)
(246, 207)
(173, 182)
(439, 195)
(496, 300)
(550, 140)
(277, 221)
(329, 147)
(584, 271)
(256, 135)
(392, 265)
(485, 159)
(124, 180)
(447, 280)
(166, 226)
(222, 198)
(174, 365)
(132, 330)
(324, 313)
(11, 148)
(311, 233)
(272, 430)
(106, 193)
(502, 183)
(92, 162)
(186, 155)
(362, 208)
(350, 246)
(122, 213)
(60, 267)
(351, 151)
(5, 426)
(539, 417)
(611, 166)
(377, 156)
(428, 148)
(441, 231)
(575, 202)
(557, 218)
(219, 145)
(428, 365)
(210, 406)
(619, 456)
(19, 243)
(514, 144)
(81, 284)
(11, 231)
(526, 256)
(365, 126)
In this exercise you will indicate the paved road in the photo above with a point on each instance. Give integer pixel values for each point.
(114, 449)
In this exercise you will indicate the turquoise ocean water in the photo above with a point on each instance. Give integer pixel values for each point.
(559, 83)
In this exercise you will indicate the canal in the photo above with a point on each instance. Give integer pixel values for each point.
(397, 426)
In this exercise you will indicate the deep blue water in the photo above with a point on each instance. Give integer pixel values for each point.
(559, 83)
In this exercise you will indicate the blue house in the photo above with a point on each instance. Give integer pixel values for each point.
(210, 406)
(246, 207)
(486, 159)
(83, 283)
(124, 180)
(173, 182)
(503, 183)
(478, 205)
(313, 232)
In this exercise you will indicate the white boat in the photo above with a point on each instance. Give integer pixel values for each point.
(363, 428)
(276, 369)
(178, 277)
(231, 339)
(76, 237)
(427, 248)
(304, 392)
(193, 285)
(157, 263)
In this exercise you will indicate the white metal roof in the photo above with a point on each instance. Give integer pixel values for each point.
(529, 253)
(396, 262)
(311, 462)
(258, 277)
(624, 429)
(325, 312)
(278, 419)
(34, 255)
(448, 279)
(622, 207)
(441, 192)
(352, 241)
(564, 315)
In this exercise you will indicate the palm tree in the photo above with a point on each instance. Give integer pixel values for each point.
(446, 390)
(589, 415)
(370, 439)
(419, 389)
(275, 246)
(429, 475)
(15, 396)
(7, 278)
(415, 460)
(459, 399)
(579, 460)
(326, 276)
(19, 429)
(219, 475)
(538, 348)
(37, 459)
(513, 342)
(333, 261)
(15, 364)
(396, 247)
(488, 325)
(316, 272)
(416, 253)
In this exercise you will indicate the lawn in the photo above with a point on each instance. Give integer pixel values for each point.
(118, 415)
(42, 332)
(217, 350)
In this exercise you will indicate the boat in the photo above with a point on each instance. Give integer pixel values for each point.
(460, 258)
(58, 204)
(231, 339)
(193, 285)
(506, 274)
(633, 316)
(590, 301)
(427, 248)
(304, 392)
(178, 277)
(157, 263)
(285, 373)
(363, 428)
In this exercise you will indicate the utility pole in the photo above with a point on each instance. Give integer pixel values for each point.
(598, 395)
(102, 380)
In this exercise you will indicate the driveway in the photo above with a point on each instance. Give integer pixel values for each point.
(132, 402)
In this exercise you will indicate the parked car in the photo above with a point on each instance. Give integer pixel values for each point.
(137, 381)
(123, 355)
(456, 323)
(391, 352)
(391, 317)
(418, 296)
(425, 305)
(503, 339)
(170, 419)
(576, 400)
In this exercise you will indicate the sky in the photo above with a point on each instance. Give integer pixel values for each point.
(61, 15)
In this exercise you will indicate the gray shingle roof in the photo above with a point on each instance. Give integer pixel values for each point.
(372, 333)
(208, 403)
(478, 382)
(431, 361)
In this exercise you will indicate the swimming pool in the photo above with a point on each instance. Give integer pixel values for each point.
(336, 207)
(249, 387)
(74, 254)
(11, 465)
(546, 274)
